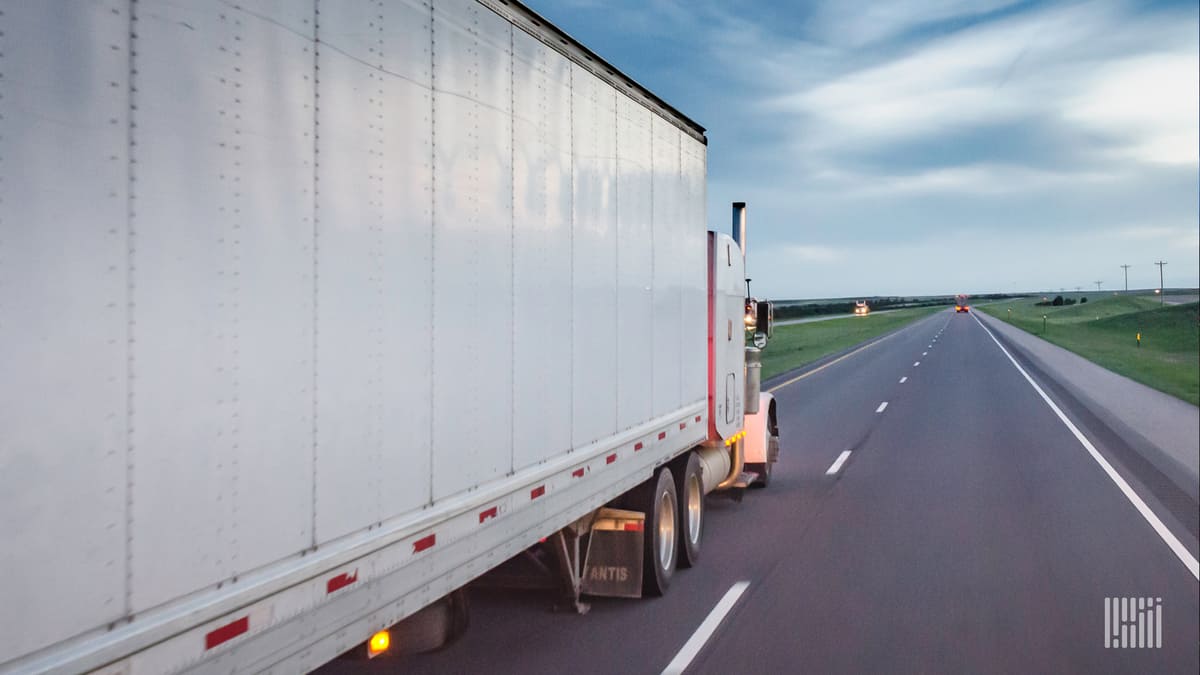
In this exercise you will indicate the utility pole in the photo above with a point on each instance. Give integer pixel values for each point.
(1097, 285)
(1126, 268)
(1161, 290)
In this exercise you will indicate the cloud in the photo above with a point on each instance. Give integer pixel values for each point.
(855, 24)
(973, 179)
(1144, 232)
(992, 145)
(1152, 101)
(1092, 66)
(966, 260)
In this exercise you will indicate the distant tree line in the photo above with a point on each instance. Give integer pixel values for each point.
(799, 311)
(1060, 301)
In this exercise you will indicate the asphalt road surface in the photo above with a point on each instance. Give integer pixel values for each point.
(1181, 299)
(968, 530)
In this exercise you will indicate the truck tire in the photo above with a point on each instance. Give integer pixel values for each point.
(432, 628)
(763, 469)
(689, 486)
(657, 499)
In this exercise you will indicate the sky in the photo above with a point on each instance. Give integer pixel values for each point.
(919, 147)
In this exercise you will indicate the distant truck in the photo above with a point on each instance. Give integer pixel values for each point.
(960, 304)
(310, 319)
(861, 308)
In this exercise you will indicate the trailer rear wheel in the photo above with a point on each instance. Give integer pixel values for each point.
(431, 628)
(434, 627)
(689, 486)
(658, 500)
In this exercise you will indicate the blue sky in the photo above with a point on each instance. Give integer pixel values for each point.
(932, 146)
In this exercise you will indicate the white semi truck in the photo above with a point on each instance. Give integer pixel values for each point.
(313, 312)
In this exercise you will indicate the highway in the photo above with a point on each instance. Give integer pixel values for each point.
(931, 512)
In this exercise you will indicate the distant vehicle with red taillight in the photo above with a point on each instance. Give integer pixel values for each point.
(960, 304)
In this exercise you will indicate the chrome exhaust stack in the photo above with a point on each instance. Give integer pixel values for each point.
(753, 377)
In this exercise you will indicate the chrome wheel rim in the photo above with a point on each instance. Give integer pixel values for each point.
(694, 497)
(666, 530)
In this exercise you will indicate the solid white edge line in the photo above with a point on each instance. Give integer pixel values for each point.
(903, 379)
(1170, 539)
(709, 626)
(837, 463)
(882, 407)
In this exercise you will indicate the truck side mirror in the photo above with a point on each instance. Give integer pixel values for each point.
(766, 317)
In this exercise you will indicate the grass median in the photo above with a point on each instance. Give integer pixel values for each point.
(1105, 329)
(799, 344)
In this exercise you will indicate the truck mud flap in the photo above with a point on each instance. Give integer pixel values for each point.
(613, 566)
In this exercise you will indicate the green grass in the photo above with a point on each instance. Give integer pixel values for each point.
(1104, 331)
(798, 344)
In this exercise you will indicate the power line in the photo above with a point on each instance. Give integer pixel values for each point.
(1126, 268)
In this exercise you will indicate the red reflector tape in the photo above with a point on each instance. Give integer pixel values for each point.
(637, 446)
(611, 458)
(634, 527)
(537, 492)
(682, 425)
(424, 543)
(577, 473)
(488, 513)
(227, 632)
(697, 418)
(340, 581)
(662, 435)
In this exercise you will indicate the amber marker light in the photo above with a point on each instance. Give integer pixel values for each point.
(378, 643)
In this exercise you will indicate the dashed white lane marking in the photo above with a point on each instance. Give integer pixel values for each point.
(1166, 535)
(924, 353)
(917, 363)
(904, 379)
(695, 643)
(837, 463)
(882, 407)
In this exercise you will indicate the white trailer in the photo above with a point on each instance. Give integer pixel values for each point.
(313, 312)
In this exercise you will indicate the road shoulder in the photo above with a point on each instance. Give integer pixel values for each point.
(1164, 430)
